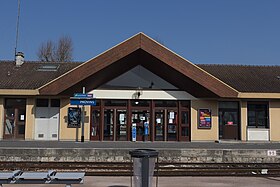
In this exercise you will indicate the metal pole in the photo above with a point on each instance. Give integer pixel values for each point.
(83, 119)
(17, 28)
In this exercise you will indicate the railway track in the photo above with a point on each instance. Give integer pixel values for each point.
(162, 169)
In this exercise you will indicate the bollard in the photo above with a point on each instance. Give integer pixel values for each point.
(143, 166)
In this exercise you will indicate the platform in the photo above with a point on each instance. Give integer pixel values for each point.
(196, 152)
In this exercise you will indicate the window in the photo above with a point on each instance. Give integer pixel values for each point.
(165, 103)
(115, 102)
(42, 103)
(257, 115)
(48, 67)
(140, 103)
(10, 103)
(55, 103)
(45, 103)
(185, 104)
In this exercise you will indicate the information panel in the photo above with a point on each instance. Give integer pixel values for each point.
(133, 129)
(204, 119)
(74, 117)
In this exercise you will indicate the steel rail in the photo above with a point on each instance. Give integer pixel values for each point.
(164, 168)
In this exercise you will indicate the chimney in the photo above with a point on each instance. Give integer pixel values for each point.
(19, 59)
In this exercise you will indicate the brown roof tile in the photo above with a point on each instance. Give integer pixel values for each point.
(247, 78)
(28, 76)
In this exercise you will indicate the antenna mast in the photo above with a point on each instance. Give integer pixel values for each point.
(17, 27)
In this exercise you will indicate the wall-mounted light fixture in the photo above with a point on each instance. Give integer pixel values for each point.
(138, 92)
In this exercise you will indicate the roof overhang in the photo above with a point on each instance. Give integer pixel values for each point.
(244, 95)
(12, 92)
(140, 50)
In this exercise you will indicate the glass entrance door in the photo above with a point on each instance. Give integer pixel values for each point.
(9, 129)
(159, 125)
(95, 125)
(121, 125)
(14, 120)
(185, 126)
(228, 124)
(108, 127)
(115, 124)
(172, 125)
(228, 120)
(140, 117)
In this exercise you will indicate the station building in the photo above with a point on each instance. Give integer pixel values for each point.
(141, 82)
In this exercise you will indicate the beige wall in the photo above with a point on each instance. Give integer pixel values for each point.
(72, 134)
(1, 117)
(30, 119)
(274, 120)
(243, 118)
(204, 134)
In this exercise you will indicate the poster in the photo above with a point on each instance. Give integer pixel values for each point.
(74, 117)
(122, 119)
(158, 120)
(204, 119)
(21, 117)
(171, 115)
(133, 129)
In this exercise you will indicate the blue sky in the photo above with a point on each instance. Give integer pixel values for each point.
(202, 31)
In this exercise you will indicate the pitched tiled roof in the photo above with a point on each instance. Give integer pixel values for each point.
(244, 78)
(29, 75)
(247, 78)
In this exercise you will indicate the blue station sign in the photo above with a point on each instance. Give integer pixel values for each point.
(91, 102)
(83, 99)
(82, 95)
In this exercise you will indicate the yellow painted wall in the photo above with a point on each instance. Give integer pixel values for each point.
(30, 119)
(204, 134)
(274, 120)
(1, 117)
(243, 116)
(72, 134)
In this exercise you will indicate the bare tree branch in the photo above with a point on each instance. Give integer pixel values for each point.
(64, 49)
(60, 52)
(45, 52)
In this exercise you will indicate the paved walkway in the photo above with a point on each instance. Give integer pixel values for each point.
(175, 182)
(133, 145)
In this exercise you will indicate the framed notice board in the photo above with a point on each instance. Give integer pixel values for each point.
(74, 117)
(205, 121)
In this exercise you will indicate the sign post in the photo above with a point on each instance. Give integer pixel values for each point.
(83, 119)
(83, 99)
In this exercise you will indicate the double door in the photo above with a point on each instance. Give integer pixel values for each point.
(166, 125)
(115, 124)
(14, 119)
(141, 119)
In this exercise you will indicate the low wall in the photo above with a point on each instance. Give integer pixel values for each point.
(122, 155)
